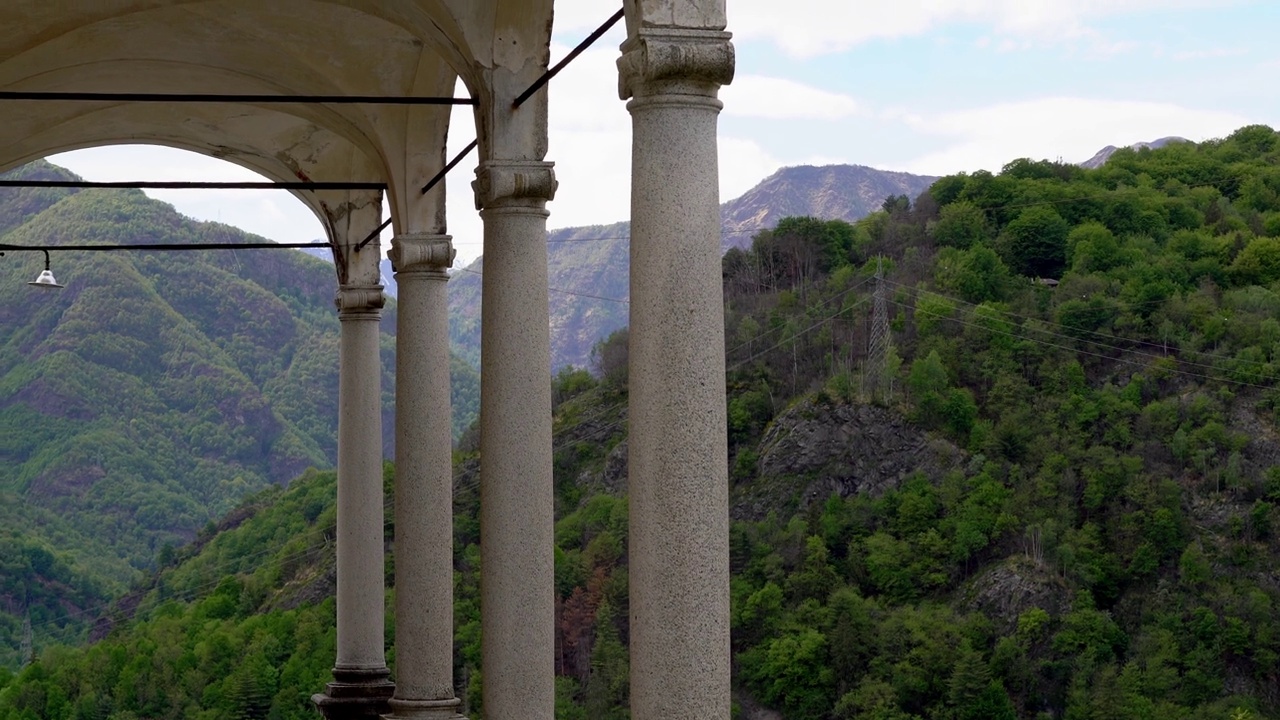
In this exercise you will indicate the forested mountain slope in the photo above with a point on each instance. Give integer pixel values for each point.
(145, 399)
(589, 267)
(1061, 503)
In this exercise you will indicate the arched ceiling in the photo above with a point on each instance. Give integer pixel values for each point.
(268, 47)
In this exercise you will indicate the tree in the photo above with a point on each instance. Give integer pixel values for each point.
(978, 275)
(961, 225)
(610, 357)
(1035, 243)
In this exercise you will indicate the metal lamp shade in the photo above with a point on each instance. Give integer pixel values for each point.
(46, 281)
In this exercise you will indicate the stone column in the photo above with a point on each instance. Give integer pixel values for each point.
(516, 495)
(424, 483)
(678, 483)
(361, 687)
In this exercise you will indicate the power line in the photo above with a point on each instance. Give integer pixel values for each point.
(1087, 352)
(1099, 334)
(565, 292)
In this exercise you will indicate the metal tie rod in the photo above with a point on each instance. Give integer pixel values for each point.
(197, 185)
(232, 98)
(163, 246)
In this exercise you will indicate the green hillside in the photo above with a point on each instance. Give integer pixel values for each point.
(145, 399)
(1060, 504)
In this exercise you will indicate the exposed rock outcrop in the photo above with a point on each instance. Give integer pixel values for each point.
(1006, 590)
(814, 449)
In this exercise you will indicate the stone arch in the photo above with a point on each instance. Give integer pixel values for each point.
(286, 47)
(324, 156)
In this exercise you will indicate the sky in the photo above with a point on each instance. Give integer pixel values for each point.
(923, 86)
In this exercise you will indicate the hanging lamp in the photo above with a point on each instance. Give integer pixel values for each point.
(46, 281)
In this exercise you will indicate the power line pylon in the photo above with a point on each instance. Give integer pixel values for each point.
(879, 384)
(28, 647)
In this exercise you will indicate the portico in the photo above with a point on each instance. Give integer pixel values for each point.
(675, 59)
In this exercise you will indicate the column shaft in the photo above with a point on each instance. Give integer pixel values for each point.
(678, 484)
(516, 493)
(360, 686)
(424, 487)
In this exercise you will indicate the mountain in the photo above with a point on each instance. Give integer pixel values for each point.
(830, 192)
(588, 266)
(1062, 502)
(151, 394)
(1102, 156)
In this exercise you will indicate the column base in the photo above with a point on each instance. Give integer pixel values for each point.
(356, 694)
(424, 710)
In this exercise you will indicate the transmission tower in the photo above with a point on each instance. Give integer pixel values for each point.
(877, 378)
(28, 648)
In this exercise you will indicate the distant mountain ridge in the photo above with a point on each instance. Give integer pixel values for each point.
(588, 267)
(1101, 157)
(829, 192)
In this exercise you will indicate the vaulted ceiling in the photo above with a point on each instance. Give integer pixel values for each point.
(259, 47)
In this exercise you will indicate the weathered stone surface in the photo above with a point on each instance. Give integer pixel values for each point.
(845, 449)
(1006, 590)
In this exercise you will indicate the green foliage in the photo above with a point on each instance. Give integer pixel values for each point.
(960, 225)
(155, 392)
(1034, 244)
(977, 275)
(1096, 544)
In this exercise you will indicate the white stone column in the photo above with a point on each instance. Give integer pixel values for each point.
(424, 483)
(678, 483)
(516, 494)
(360, 688)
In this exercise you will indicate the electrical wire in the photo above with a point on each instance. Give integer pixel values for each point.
(1086, 352)
(1116, 338)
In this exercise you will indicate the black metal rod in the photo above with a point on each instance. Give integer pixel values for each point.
(161, 246)
(233, 98)
(374, 234)
(182, 185)
(588, 42)
(435, 180)
(452, 164)
(537, 85)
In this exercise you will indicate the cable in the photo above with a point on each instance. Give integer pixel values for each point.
(784, 341)
(1087, 352)
(607, 238)
(1100, 334)
(566, 292)
(828, 301)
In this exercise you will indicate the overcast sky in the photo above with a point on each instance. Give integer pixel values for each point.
(924, 86)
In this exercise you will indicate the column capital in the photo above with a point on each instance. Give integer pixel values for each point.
(659, 61)
(422, 253)
(359, 302)
(514, 183)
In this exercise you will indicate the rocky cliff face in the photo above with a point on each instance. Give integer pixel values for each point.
(815, 449)
(588, 267)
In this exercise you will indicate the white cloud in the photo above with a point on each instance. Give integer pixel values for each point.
(1210, 54)
(806, 28)
(1072, 129)
(781, 99)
